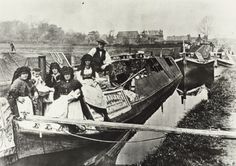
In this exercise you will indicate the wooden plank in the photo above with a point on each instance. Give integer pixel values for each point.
(137, 127)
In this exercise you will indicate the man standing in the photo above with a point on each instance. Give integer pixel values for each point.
(102, 60)
(12, 47)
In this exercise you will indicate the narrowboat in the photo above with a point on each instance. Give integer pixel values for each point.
(223, 59)
(144, 83)
(197, 67)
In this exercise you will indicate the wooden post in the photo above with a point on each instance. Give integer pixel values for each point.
(72, 60)
(136, 127)
(42, 66)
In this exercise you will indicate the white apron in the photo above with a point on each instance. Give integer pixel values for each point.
(94, 96)
(61, 108)
(25, 108)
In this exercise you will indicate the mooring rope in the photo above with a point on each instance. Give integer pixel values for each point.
(107, 141)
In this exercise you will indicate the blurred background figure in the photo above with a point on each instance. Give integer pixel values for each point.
(12, 47)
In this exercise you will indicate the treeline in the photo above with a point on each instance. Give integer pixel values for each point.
(17, 31)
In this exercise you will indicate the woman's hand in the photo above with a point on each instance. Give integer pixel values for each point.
(73, 95)
(104, 66)
(51, 90)
(77, 93)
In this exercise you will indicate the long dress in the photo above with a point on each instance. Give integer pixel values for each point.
(91, 86)
(68, 105)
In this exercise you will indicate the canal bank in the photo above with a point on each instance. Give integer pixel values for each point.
(214, 113)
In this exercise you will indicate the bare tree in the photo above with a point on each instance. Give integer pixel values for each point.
(205, 26)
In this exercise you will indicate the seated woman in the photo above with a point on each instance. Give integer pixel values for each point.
(90, 80)
(22, 92)
(68, 91)
(87, 74)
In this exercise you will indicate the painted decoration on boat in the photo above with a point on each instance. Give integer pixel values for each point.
(7, 145)
(116, 100)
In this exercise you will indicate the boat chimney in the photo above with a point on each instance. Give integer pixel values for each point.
(42, 66)
(184, 53)
(183, 47)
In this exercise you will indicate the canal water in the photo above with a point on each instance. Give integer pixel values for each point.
(169, 114)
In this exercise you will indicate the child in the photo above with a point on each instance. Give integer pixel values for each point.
(45, 93)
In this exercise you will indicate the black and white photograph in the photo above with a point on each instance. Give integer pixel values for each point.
(117, 83)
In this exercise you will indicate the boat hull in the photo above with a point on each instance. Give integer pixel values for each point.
(32, 144)
(196, 74)
(224, 63)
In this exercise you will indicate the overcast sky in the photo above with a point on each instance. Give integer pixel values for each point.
(177, 17)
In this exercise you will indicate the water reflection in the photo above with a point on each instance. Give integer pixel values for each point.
(192, 89)
(173, 111)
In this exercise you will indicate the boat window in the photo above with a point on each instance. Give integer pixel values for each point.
(157, 67)
(168, 61)
(154, 65)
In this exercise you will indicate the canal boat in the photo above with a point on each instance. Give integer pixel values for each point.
(223, 59)
(197, 67)
(144, 83)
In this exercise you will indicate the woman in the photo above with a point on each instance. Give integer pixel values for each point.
(22, 92)
(68, 93)
(89, 78)
(54, 75)
(87, 74)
